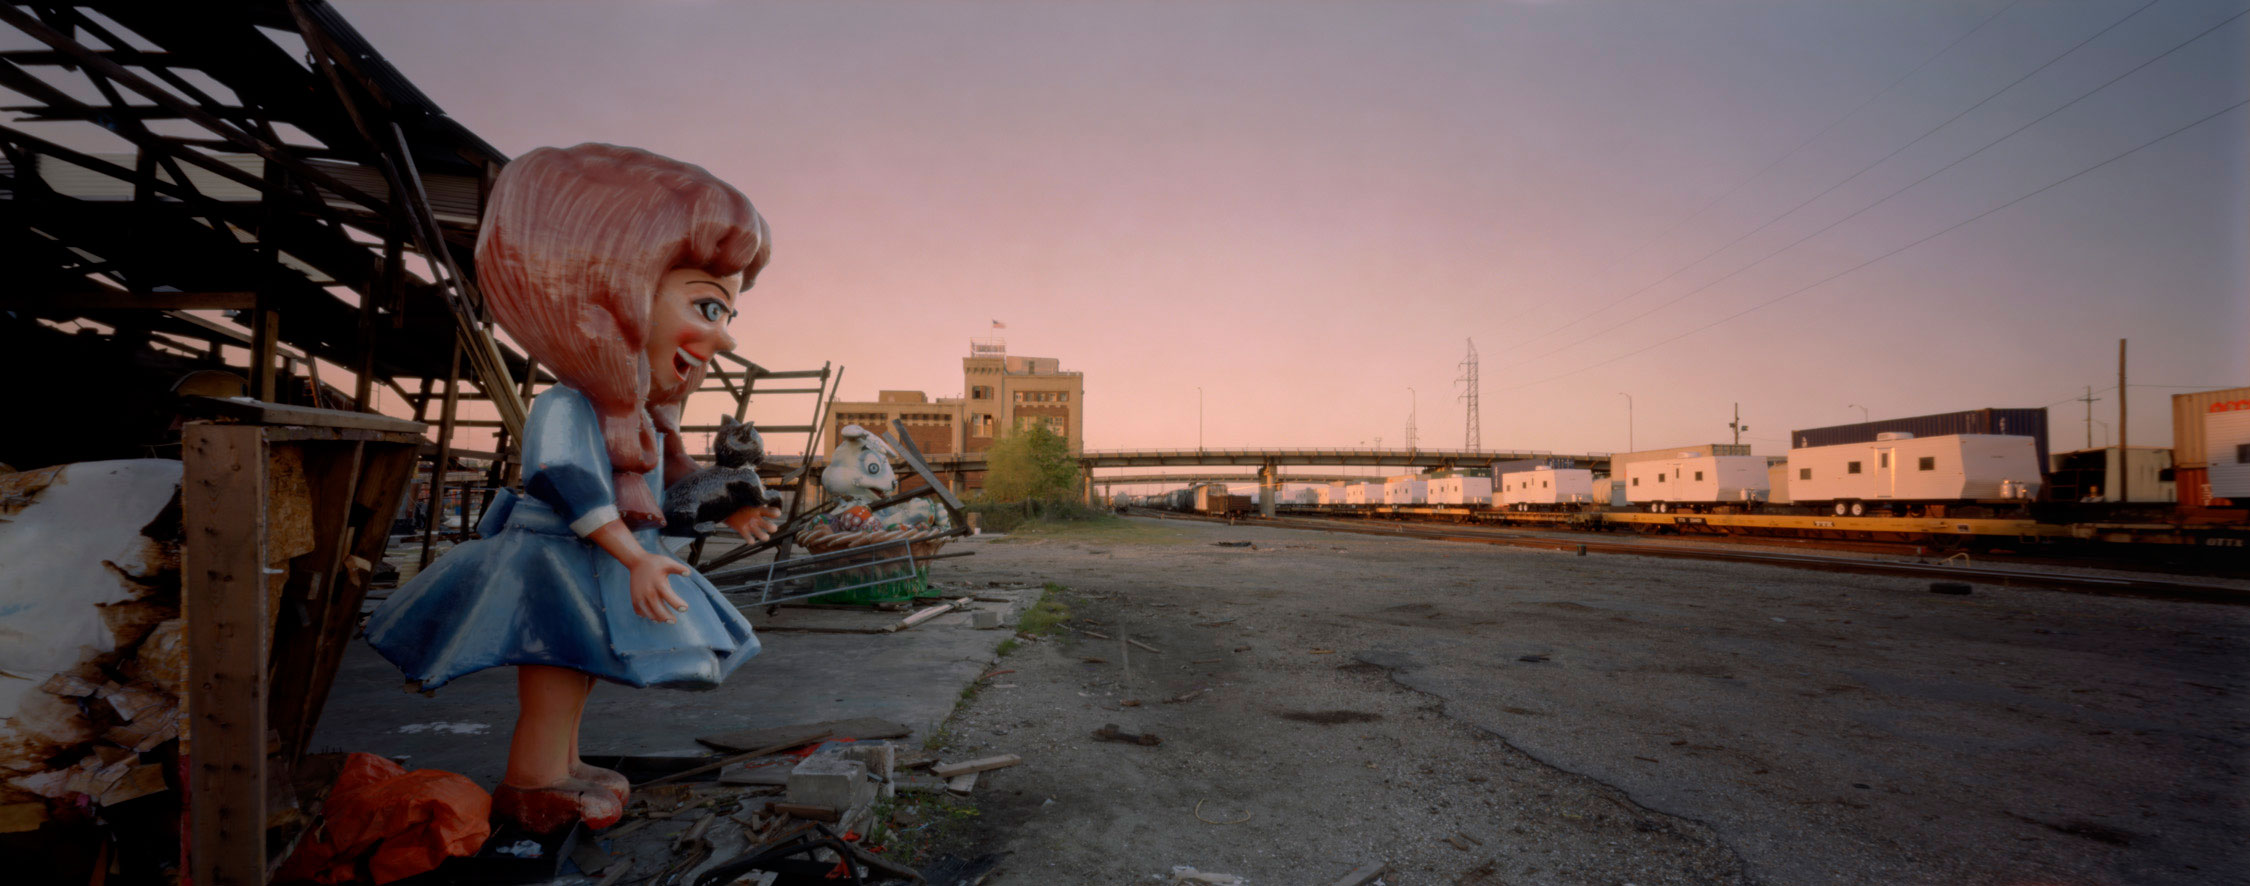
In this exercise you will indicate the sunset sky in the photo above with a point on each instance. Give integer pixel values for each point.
(1307, 209)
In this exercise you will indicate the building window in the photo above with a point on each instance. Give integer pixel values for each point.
(1062, 396)
(980, 392)
(1804, 473)
(1927, 463)
(1851, 467)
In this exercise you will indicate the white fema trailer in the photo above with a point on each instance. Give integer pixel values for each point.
(1406, 490)
(1460, 490)
(1364, 494)
(1693, 481)
(1899, 470)
(1544, 486)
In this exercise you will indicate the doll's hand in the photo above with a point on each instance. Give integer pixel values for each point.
(652, 588)
(755, 524)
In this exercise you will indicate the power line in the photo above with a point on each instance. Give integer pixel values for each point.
(1847, 180)
(1942, 232)
(1910, 185)
(1777, 161)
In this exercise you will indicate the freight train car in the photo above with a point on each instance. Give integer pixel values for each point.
(1697, 482)
(1546, 489)
(1899, 471)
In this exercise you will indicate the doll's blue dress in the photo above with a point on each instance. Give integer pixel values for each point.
(534, 591)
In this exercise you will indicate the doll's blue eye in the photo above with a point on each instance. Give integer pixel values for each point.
(713, 311)
(874, 468)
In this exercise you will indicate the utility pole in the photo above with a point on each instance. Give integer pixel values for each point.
(1737, 424)
(2124, 476)
(1199, 418)
(2089, 401)
(1473, 437)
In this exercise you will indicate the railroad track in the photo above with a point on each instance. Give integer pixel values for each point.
(2122, 586)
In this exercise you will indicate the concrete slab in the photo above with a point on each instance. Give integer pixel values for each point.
(912, 677)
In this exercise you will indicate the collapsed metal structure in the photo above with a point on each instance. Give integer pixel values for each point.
(248, 187)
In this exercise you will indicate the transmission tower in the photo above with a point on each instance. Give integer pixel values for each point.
(1473, 437)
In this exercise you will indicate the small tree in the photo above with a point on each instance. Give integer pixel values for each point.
(1032, 466)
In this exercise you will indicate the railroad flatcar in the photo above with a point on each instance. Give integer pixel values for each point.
(1696, 482)
(1899, 471)
(1545, 488)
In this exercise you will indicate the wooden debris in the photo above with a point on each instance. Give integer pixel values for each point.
(1324, 652)
(1144, 646)
(1110, 732)
(862, 728)
(1094, 634)
(1092, 660)
(961, 785)
(758, 773)
(983, 764)
(927, 614)
(15, 818)
(1130, 703)
(770, 750)
(138, 782)
(1185, 696)
(1362, 875)
(1458, 843)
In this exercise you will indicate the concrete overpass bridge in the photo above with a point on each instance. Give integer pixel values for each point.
(1269, 462)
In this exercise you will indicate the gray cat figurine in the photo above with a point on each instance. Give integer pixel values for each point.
(696, 504)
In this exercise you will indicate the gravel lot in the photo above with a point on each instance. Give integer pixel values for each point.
(1326, 700)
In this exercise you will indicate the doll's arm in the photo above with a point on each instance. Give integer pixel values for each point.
(651, 571)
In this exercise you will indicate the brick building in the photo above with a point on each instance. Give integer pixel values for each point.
(999, 392)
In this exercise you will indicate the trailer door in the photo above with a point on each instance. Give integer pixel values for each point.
(1886, 472)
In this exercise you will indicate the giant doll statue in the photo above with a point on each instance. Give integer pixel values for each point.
(618, 270)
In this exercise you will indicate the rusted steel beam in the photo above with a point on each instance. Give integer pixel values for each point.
(112, 299)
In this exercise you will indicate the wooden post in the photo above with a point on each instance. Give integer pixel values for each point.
(444, 455)
(223, 509)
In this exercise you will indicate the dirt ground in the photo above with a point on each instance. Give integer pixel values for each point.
(1482, 715)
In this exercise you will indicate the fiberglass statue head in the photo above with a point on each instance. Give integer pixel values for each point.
(617, 270)
(859, 471)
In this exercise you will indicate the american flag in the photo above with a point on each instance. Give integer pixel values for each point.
(999, 325)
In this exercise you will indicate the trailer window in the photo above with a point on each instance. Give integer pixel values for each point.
(1882, 459)
(1851, 467)
(1636, 481)
(2242, 453)
(1699, 475)
(1804, 473)
(1927, 463)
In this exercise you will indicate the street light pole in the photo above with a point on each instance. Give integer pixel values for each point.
(1628, 420)
(1198, 418)
(1414, 412)
(1862, 412)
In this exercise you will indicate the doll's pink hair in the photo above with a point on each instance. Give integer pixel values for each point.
(573, 243)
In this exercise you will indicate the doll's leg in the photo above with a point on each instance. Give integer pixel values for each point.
(539, 790)
(609, 779)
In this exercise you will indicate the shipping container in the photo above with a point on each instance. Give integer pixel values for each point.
(2226, 449)
(1902, 468)
(1989, 421)
(1697, 479)
(1547, 486)
(1460, 490)
(2189, 414)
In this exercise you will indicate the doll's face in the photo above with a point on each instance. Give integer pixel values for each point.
(688, 324)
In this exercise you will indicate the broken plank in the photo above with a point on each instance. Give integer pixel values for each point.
(769, 750)
(927, 614)
(861, 728)
(1144, 646)
(808, 812)
(961, 785)
(948, 770)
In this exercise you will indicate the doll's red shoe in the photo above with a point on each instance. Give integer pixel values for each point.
(607, 779)
(550, 809)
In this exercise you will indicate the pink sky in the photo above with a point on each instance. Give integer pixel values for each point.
(1306, 209)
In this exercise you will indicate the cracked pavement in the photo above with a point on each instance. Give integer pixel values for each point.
(1472, 714)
